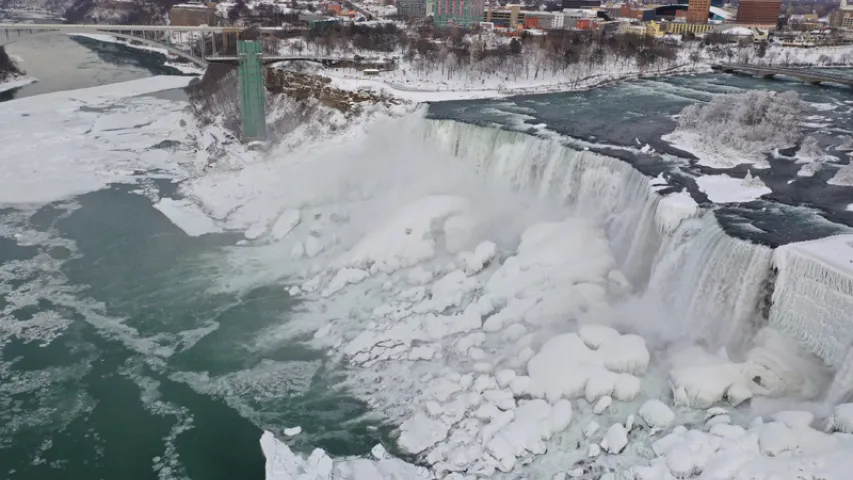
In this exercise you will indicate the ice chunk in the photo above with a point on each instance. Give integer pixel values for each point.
(504, 377)
(421, 432)
(702, 386)
(600, 384)
(625, 353)
(344, 277)
(616, 439)
(285, 223)
(187, 216)
(257, 230)
(405, 239)
(379, 453)
(594, 335)
(842, 418)
(561, 416)
(656, 414)
(602, 405)
(627, 387)
(291, 432)
(590, 429)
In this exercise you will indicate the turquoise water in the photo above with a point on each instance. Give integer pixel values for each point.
(148, 374)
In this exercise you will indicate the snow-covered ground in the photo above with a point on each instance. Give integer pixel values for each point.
(531, 73)
(435, 84)
(726, 189)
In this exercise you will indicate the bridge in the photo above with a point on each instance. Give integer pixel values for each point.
(805, 75)
(199, 45)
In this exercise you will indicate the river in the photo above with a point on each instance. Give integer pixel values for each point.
(118, 360)
(60, 62)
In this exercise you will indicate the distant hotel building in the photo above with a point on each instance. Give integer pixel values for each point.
(759, 12)
(698, 11)
(412, 8)
(458, 12)
(843, 17)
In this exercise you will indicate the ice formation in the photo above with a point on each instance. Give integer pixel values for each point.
(490, 334)
(843, 177)
(283, 464)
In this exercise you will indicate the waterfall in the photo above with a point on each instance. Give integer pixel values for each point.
(699, 282)
(597, 186)
(709, 284)
(813, 303)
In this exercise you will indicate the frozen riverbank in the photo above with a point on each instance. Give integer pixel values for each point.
(15, 83)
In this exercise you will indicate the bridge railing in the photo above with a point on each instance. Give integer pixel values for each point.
(191, 43)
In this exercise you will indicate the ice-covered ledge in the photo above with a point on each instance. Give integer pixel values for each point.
(813, 296)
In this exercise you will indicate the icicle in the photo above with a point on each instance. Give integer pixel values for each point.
(813, 298)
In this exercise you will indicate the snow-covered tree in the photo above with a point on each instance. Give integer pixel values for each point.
(755, 121)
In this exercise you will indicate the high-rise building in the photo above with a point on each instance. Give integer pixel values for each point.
(759, 12)
(842, 18)
(458, 12)
(412, 8)
(698, 11)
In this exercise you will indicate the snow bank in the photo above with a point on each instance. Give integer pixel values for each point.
(726, 189)
(16, 82)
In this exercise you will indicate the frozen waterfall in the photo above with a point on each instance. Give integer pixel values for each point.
(700, 283)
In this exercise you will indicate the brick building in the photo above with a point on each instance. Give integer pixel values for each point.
(759, 12)
(192, 15)
(698, 11)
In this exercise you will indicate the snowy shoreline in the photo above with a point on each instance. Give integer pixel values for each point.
(17, 82)
(184, 68)
(427, 95)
